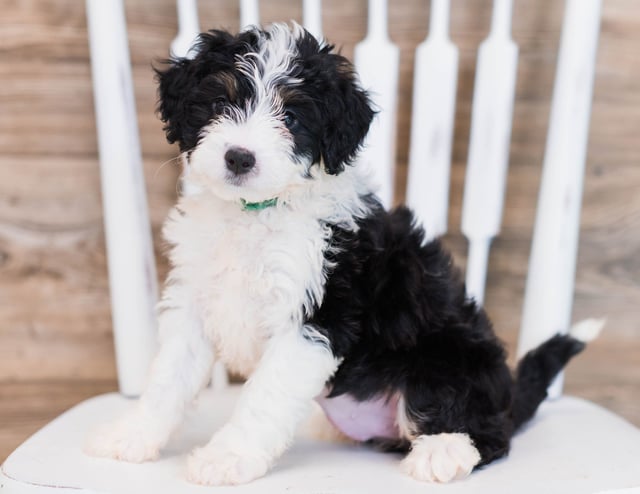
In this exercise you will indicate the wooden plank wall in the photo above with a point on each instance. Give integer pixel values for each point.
(54, 302)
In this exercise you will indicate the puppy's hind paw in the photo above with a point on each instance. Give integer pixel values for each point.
(441, 458)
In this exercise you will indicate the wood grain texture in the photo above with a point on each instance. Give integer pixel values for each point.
(54, 301)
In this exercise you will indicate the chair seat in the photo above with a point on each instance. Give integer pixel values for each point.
(572, 446)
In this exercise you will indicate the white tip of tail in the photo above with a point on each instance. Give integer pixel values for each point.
(587, 330)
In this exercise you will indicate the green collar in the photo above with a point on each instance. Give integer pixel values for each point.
(258, 206)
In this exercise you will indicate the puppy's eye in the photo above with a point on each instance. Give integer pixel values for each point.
(289, 120)
(219, 105)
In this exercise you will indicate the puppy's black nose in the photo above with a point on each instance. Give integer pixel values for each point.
(239, 160)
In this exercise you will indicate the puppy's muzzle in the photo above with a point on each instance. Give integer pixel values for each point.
(239, 161)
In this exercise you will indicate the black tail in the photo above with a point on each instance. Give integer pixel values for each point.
(536, 371)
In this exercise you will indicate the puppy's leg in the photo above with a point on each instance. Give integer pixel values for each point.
(294, 369)
(456, 414)
(449, 439)
(179, 371)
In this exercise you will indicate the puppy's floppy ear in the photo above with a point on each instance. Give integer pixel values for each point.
(348, 115)
(175, 83)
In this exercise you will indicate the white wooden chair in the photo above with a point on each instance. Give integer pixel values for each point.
(571, 446)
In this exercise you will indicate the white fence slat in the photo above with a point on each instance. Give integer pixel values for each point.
(249, 13)
(188, 29)
(312, 17)
(432, 122)
(491, 120)
(550, 282)
(377, 61)
(132, 273)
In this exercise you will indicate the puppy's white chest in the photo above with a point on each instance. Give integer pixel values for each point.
(234, 296)
(253, 279)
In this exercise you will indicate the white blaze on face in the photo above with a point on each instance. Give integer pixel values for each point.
(257, 127)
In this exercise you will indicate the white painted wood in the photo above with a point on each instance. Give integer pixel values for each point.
(188, 28)
(630, 490)
(489, 143)
(477, 260)
(132, 273)
(571, 446)
(312, 17)
(377, 61)
(249, 13)
(550, 282)
(12, 486)
(432, 122)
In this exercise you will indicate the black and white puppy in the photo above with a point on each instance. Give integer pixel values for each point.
(286, 267)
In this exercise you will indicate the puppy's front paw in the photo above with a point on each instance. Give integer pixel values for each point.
(128, 439)
(441, 457)
(215, 465)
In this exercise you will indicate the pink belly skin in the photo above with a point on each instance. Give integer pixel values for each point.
(364, 420)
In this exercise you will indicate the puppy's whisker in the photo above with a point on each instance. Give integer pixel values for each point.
(174, 159)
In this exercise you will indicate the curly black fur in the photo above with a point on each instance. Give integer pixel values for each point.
(395, 309)
(332, 112)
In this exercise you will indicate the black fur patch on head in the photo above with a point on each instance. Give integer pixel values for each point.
(325, 110)
(343, 107)
(193, 91)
